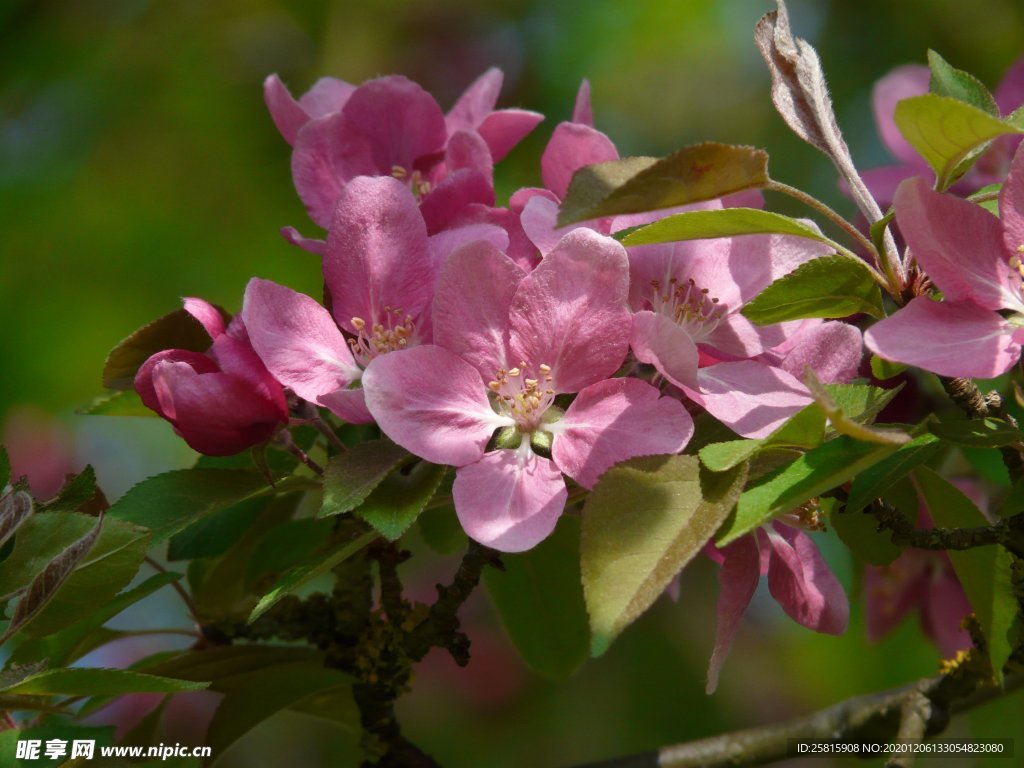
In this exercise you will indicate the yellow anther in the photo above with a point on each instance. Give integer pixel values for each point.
(545, 369)
(514, 372)
(398, 172)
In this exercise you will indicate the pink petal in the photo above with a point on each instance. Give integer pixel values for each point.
(378, 258)
(737, 578)
(943, 612)
(327, 96)
(389, 122)
(737, 338)
(347, 404)
(292, 235)
(892, 591)
(749, 397)
(573, 146)
(208, 315)
(286, 113)
(1011, 207)
(467, 149)
(538, 221)
(216, 413)
(471, 306)
(297, 340)
(658, 341)
(509, 500)
(570, 312)
(444, 243)
(615, 420)
(476, 102)
(959, 244)
(1010, 93)
(833, 350)
(519, 248)
(951, 338)
(318, 166)
(802, 583)
(505, 128)
(199, 362)
(901, 83)
(456, 191)
(432, 403)
(237, 357)
(582, 112)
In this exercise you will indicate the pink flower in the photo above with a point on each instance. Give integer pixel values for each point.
(379, 268)
(974, 258)
(687, 299)
(221, 402)
(798, 579)
(392, 127)
(506, 345)
(913, 80)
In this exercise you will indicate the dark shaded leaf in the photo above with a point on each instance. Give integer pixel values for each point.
(727, 222)
(539, 597)
(176, 330)
(947, 80)
(689, 175)
(874, 481)
(849, 426)
(214, 534)
(78, 491)
(96, 681)
(397, 501)
(977, 433)
(125, 402)
(351, 476)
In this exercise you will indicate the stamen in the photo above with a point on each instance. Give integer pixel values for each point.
(521, 396)
(394, 333)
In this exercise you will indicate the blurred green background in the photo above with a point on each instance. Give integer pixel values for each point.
(138, 165)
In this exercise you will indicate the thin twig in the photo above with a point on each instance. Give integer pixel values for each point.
(288, 443)
(185, 597)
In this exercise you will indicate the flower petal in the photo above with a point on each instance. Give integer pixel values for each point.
(570, 312)
(390, 122)
(832, 349)
(293, 236)
(471, 306)
(453, 194)
(475, 103)
(318, 166)
(582, 112)
(802, 583)
(378, 258)
(615, 420)
(199, 362)
(509, 500)
(571, 147)
(432, 403)
(347, 404)
(297, 340)
(327, 96)
(750, 397)
(901, 83)
(892, 591)
(208, 315)
(505, 128)
(1011, 207)
(950, 338)
(737, 579)
(942, 614)
(467, 149)
(959, 244)
(285, 111)
(658, 341)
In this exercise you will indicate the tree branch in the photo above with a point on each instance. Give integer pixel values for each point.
(1009, 532)
(917, 710)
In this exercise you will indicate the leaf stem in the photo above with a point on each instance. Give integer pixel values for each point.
(185, 597)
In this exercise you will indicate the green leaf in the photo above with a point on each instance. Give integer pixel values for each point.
(110, 565)
(947, 133)
(859, 531)
(861, 402)
(643, 521)
(214, 534)
(830, 286)
(169, 502)
(285, 546)
(177, 330)
(819, 470)
(76, 492)
(252, 697)
(539, 597)
(125, 402)
(805, 429)
(884, 369)
(351, 476)
(874, 481)
(441, 530)
(977, 433)
(94, 681)
(40, 540)
(320, 564)
(397, 501)
(221, 663)
(844, 424)
(727, 222)
(45, 585)
(877, 230)
(984, 572)
(67, 645)
(635, 184)
(949, 81)
(15, 508)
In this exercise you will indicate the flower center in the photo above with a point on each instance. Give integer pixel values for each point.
(522, 398)
(381, 338)
(419, 186)
(687, 305)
